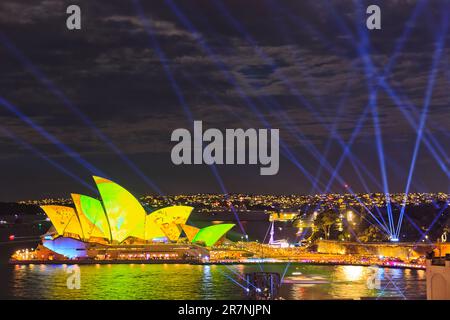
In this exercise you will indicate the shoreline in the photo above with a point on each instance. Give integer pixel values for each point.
(130, 262)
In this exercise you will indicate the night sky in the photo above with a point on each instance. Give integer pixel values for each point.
(105, 99)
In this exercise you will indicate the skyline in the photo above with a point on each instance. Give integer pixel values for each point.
(107, 97)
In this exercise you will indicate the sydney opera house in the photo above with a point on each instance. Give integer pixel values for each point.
(117, 228)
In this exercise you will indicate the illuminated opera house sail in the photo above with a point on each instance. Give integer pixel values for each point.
(118, 224)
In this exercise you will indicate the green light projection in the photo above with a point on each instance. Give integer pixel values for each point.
(210, 235)
(125, 214)
(92, 216)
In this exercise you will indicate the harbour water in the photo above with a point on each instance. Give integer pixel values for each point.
(172, 281)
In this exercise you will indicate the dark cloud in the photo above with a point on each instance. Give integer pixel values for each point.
(296, 62)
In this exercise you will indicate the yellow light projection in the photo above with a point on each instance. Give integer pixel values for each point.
(152, 230)
(190, 231)
(120, 215)
(170, 219)
(125, 214)
(64, 219)
(89, 227)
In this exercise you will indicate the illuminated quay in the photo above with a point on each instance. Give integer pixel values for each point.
(117, 229)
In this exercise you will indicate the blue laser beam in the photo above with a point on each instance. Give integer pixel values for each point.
(162, 57)
(46, 158)
(73, 108)
(423, 118)
(67, 150)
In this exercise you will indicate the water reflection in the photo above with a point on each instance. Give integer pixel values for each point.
(146, 281)
(207, 278)
(353, 273)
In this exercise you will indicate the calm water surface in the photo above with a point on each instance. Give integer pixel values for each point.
(200, 282)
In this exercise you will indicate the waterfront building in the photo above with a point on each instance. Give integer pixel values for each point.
(117, 227)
